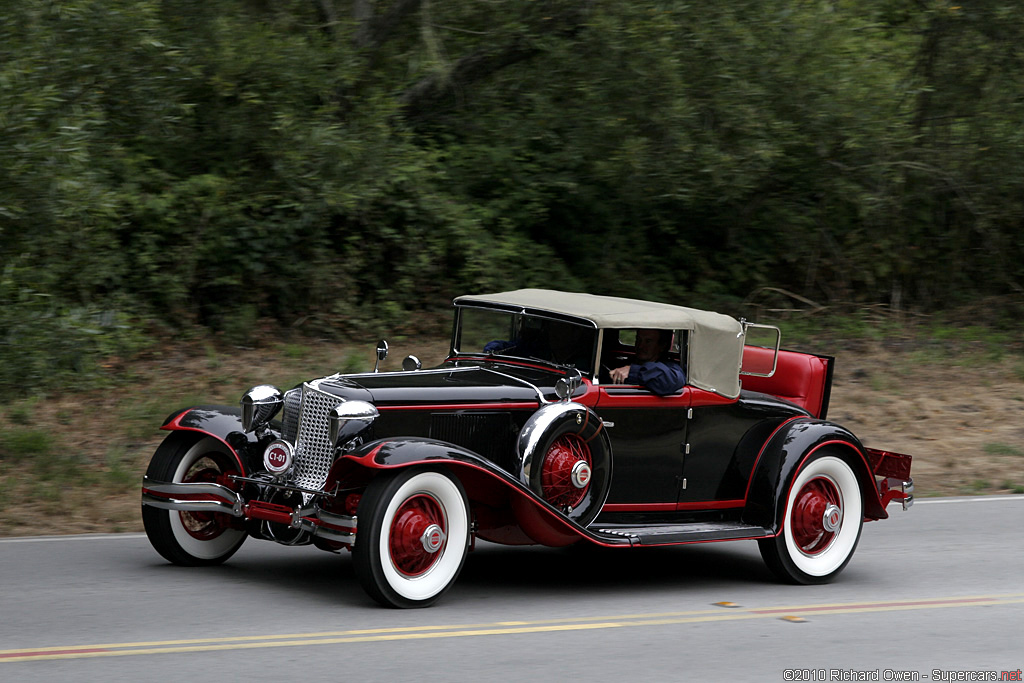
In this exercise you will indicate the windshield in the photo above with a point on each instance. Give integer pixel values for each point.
(504, 333)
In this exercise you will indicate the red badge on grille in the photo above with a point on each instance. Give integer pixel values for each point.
(278, 457)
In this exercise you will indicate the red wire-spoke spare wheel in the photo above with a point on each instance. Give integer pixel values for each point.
(566, 472)
(418, 533)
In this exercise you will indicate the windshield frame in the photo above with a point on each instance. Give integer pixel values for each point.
(533, 314)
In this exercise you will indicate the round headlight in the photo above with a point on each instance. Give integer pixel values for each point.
(349, 419)
(259, 406)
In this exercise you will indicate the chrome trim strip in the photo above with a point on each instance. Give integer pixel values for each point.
(540, 394)
(164, 495)
(392, 373)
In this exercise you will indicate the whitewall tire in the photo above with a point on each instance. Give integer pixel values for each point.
(413, 536)
(191, 538)
(822, 522)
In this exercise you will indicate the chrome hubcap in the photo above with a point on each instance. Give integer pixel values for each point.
(832, 518)
(580, 475)
(432, 538)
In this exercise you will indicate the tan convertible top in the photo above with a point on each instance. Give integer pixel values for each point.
(715, 349)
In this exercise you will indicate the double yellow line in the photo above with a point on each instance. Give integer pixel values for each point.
(722, 612)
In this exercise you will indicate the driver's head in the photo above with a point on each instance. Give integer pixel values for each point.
(652, 344)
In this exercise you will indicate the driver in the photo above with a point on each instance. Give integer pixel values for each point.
(651, 367)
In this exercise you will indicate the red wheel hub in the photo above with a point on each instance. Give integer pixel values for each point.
(565, 474)
(817, 515)
(205, 526)
(418, 533)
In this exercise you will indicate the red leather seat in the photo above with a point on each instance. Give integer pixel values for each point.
(799, 377)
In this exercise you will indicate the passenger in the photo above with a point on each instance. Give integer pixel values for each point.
(651, 366)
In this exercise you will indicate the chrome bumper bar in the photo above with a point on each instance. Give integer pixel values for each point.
(192, 497)
(908, 494)
(896, 488)
(907, 487)
(210, 497)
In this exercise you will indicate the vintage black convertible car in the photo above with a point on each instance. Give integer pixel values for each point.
(521, 437)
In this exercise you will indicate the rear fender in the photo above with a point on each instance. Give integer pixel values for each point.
(223, 423)
(781, 459)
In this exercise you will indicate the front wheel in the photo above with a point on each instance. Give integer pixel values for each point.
(191, 538)
(821, 526)
(413, 537)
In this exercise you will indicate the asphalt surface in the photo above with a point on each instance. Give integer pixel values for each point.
(935, 593)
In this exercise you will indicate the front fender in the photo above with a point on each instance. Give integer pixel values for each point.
(781, 458)
(223, 423)
(485, 483)
(403, 451)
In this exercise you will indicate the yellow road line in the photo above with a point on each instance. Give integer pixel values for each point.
(492, 629)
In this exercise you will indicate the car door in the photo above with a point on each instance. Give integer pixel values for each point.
(648, 438)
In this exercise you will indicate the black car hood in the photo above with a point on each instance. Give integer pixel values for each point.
(449, 385)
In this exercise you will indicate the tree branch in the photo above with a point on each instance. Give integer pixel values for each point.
(374, 31)
(436, 92)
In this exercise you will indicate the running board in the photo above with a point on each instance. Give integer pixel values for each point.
(670, 534)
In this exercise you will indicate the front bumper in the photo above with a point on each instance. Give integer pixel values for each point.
(217, 498)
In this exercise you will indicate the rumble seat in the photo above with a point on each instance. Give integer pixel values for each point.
(799, 378)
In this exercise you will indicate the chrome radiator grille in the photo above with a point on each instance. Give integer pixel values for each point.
(313, 453)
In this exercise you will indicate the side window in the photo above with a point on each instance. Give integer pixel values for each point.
(679, 351)
(629, 346)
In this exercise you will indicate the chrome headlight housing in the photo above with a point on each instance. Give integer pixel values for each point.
(259, 406)
(349, 419)
(566, 386)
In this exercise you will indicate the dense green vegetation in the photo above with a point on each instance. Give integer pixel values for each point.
(339, 163)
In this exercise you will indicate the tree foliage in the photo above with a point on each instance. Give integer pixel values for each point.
(343, 162)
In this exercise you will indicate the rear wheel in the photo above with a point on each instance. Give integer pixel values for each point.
(822, 523)
(191, 538)
(413, 537)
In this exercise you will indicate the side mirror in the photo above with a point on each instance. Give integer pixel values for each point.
(411, 363)
(382, 353)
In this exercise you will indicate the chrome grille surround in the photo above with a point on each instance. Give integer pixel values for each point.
(313, 452)
(290, 415)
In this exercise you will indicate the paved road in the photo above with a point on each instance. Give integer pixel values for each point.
(938, 588)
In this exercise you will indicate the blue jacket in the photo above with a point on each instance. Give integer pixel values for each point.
(659, 378)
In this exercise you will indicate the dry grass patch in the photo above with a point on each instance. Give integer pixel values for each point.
(72, 462)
